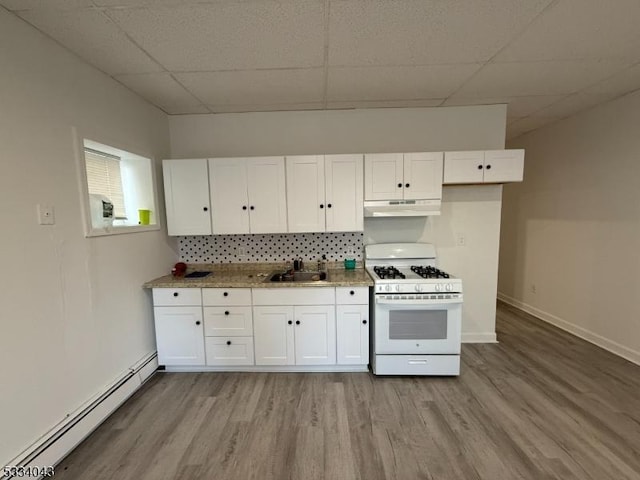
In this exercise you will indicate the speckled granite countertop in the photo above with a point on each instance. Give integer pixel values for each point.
(253, 275)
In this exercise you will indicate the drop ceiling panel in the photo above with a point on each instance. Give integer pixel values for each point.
(572, 104)
(528, 124)
(280, 107)
(256, 87)
(396, 83)
(579, 29)
(517, 106)
(429, 102)
(162, 90)
(93, 37)
(49, 4)
(229, 35)
(626, 81)
(419, 32)
(538, 78)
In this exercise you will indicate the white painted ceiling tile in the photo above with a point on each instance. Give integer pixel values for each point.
(229, 35)
(528, 124)
(256, 87)
(94, 38)
(17, 5)
(517, 106)
(282, 107)
(162, 90)
(396, 83)
(580, 29)
(419, 32)
(624, 82)
(538, 78)
(429, 102)
(572, 104)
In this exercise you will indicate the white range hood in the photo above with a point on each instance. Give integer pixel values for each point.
(401, 208)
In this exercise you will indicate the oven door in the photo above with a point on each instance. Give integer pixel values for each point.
(406, 325)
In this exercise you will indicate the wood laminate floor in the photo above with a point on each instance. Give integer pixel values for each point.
(541, 404)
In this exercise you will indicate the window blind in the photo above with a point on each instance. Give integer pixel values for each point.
(104, 178)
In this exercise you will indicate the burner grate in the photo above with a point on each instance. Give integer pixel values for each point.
(429, 272)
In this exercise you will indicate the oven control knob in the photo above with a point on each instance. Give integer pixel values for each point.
(397, 288)
(418, 288)
(449, 287)
(387, 288)
(438, 287)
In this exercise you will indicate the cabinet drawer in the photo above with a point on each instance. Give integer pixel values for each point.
(228, 321)
(352, 295)
(294, 296)
(229, 351)
(169, 297)
(226, 296)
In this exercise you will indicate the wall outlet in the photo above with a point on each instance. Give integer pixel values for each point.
(534, 290)
(46, 215)
(461, 239)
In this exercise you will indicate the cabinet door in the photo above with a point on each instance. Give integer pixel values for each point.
(383, 176)
(352, 322)
(344, 193)
(315, 333)
(305, 193)
(502, 166)
(273, 335)
(267, 194)
(422, 175)
(186, 192)
(229, 200)
(179, 335)
(463, 167)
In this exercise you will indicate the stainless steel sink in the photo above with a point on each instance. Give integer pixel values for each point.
(297, 277)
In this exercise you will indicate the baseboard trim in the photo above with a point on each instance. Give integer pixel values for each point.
(270, 368)
(56, 444)
(479, 337)
(591, 337)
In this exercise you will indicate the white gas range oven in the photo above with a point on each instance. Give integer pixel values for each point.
(416, 311)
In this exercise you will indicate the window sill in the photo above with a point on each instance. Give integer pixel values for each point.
(102, 232)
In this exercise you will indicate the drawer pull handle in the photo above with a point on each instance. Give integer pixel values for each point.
(197, 322)
(226, 312)
(407, 185)
(399, 185)
(290, 322)
(364, 322)
(352, 292)
(479, 167)
(175, 294)
(488, 167)
(297, 322)
(226, 294)
(206, 209)
(228, 342)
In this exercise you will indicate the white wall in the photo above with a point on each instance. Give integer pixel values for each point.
(73, 314)
(572, 228)
(472, 210)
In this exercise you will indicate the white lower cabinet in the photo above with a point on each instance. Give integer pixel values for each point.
(179, 335)
(352, 322)
(273, 334)
(229, 351)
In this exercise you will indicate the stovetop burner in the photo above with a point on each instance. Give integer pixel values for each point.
(429, 272)
(388, 272)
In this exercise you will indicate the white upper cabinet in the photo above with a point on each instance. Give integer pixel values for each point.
(186, 191)
(344, 192)
(325, 193)
(493, 166)
(305, 193)
(248, 195)
(384, 176)
(398, 176)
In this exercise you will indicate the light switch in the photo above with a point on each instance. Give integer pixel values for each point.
(46, 215)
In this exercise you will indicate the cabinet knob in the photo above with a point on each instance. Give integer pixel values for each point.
(252, 207)
(479, 167)
(244, 207)
(406, 185)
(364, 322)
(321, 205)
(227, 312)
(175, 294)
(225, 294)
(328, 205)
(206, 209)
(228, 342)
(197, 322)
(488, 167)
(399, 185)
(290, 322)
(297, 322)
(352, 292)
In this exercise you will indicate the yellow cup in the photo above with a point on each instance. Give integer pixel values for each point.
(144, 216)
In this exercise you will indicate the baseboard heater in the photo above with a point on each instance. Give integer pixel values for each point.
(64, 437)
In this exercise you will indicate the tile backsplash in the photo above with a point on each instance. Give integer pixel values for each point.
(271, 248)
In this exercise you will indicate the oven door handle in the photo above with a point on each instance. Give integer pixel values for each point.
(421, 301)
